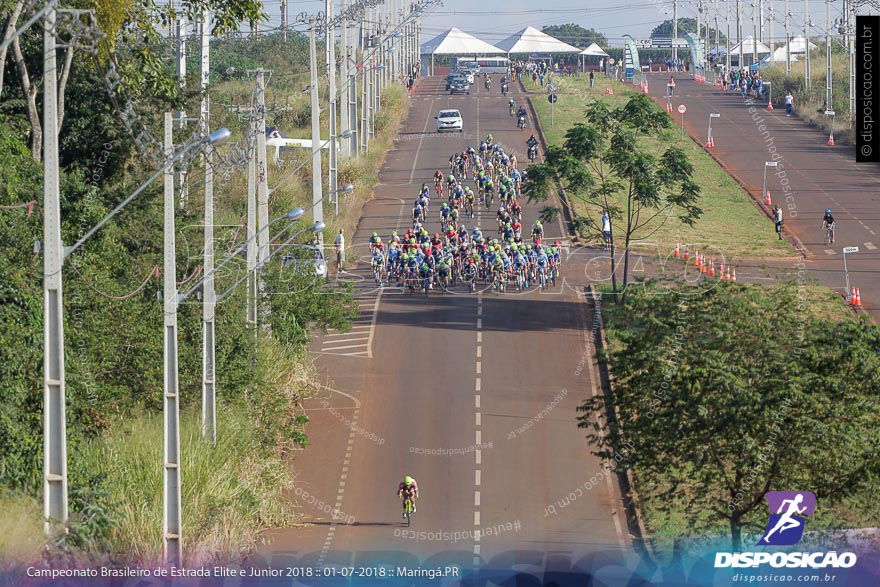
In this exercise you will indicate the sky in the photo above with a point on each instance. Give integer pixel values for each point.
(493, 20)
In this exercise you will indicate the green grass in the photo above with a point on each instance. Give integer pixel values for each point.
(21, 528)
(730, 225)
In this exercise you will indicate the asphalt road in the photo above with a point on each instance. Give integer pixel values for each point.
(818, 176)
(474, 395)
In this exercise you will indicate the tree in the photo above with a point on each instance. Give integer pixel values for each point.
(685, 25)
(575, 34)
(721, 396)
(602, 164)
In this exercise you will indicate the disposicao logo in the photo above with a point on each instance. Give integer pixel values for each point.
(786, 527)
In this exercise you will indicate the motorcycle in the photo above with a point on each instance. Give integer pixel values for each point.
(488, 84)
(533, 152)
(504, 89)
(521, 124)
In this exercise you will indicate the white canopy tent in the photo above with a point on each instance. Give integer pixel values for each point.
(798, 45)
(457, 42)
(531, 40)
(748, 48)
(593, 50)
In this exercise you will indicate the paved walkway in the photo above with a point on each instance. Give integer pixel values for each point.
(810, 177)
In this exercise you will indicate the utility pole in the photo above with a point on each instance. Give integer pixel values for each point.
(171, 527)
(828, 90)
(262, 170)
(739, 32)
(755, 31)
(180, 35)
(771, 44)
(209, 381)
(727, 51)
(330, 33)
(851, 49)
(344, 111)
(317, 195)
(284, 20)
(54, 401)
(674, 30)
(807, 27)
(787, 39)
(252, 284)
(761, 20)
(366, 73)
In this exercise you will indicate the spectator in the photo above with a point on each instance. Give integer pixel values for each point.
(777, 219)
(592, 79)
(340, 251)
(789, 99)
(606, 229)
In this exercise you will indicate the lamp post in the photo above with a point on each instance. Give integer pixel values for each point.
(766, 165)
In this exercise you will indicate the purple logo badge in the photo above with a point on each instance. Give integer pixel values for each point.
(786, 525)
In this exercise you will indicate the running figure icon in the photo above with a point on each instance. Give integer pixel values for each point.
(786, 526)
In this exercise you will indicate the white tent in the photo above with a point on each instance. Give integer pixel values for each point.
(457, 42)
(748, 48)
(531, 40)
(594, 49)
(779, 55)
(798, 45)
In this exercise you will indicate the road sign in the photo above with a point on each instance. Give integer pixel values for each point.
(552, 98)
(850, 249)
(829, 113)
(682, 109)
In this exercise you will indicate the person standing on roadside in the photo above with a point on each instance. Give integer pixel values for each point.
(592, 79)
(777, 219)
(340, 251)
(789, 100)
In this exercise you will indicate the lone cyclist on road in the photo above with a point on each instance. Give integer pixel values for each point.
(408, 488)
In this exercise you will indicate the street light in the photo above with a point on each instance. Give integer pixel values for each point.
(343, 190)
(766, 192)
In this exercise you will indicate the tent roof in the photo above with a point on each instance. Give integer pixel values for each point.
(531, 40)
(594, 49)
(798, 45)
(457, 42)
(748, 46)
(779, 55)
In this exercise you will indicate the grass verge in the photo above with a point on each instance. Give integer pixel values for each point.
(21, 528)
(731, 225)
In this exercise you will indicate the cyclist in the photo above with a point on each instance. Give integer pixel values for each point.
(438, 182)
(537, 231)
(521, 117)
(373, 239)
(828, 223)
(377, 263)
(488, 140)
(512, 105)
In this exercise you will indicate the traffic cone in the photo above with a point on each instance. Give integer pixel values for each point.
(767, 200)
(831, 140)
(687, 252)
(676, 254)
(669, 107)
(696, 258)
(712, 268)
(858, 297)
(711, 143)
(721, 273)
(733, 275)
(769, 105)
(852, 296)
(727, 276)
(645, 88)
(704, 266)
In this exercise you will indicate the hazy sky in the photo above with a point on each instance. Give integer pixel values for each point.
(493, 20)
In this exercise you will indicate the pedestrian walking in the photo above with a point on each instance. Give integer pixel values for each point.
(592, 79)
(606, 229)
(340, 251)
(789, 99)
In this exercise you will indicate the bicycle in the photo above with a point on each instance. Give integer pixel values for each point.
(829, 234)
(377, 273)
(498, 282)
(438, 187)
(490, 197)
(408, 507)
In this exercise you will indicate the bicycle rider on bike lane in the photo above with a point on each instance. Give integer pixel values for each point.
(828, 222)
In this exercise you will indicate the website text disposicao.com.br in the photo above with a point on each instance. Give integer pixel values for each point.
(781, 579)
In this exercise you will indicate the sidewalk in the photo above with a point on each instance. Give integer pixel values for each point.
(810, 177)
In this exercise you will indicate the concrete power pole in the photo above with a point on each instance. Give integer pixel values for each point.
(330, 41)
(252, 283)
(344, 110)
(54, 400)
(739, 33)
(755, 19)
(787, 39)
(770, 43)
(209, 382)
(317, 188)
(828, 89)
(180, 35)
(171, 526)
(365, 71)
(674, 30)
(807, 27)
(284, 20)
(262, 171)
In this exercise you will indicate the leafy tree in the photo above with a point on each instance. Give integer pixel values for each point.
(602, 164)
(575, 34)
(723, 395)
(685, 25)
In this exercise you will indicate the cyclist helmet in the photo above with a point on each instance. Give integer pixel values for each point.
(378, 239)
(507, 225)
(375, 234)
(444, 205)
(828, 211)
(393, 233)
(436, 235)
(437, 172)
(533, 136)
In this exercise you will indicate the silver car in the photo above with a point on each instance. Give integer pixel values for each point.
(317, 261)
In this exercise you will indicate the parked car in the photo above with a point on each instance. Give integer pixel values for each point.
(449, 120)
(308, 255)
(459, 86)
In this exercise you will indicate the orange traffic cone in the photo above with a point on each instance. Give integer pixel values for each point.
(831, 140)
(769, 105)
(676, 254)
(711, 268)
(767, 200)
(669, 107)
(852, 296)
(858, 297)
(733, 275)
(696, 258)
(721, 273)
(687, 252)
(645, 88)
(704, 266)
(727, 276)
(711, 143)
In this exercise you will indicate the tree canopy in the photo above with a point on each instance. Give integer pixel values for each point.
(575, 34)
(685, 25)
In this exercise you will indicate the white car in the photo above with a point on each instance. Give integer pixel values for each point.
(467, 74)
(449, 120)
